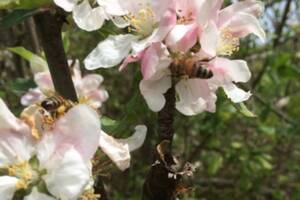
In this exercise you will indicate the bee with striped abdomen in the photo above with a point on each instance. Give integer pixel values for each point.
(188, 68)
(55, 106)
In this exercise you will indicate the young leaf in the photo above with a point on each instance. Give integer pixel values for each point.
(37, 63)
(242, 108)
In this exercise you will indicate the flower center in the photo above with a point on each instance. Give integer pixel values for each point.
(24, 172)
(143, 22)
(228, 43)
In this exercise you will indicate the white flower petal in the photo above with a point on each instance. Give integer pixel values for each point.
(109, 52)
(88, 18)
(177, 33)
(7, 187)
(116, 151)
(114, 7)
(137, 139)
(67, 176)
(36, 195)
(7, 119)
(236, 94)
(242, 24)
(37, 64)
(120, 22)
(208, 10)
(195, 96)
(80, 127)
(232, 70)
(239, 71)
(209, 39)
(153, 92)
(252, 7)
(32, 96)
(15, 146)
(91, 82)
(44, 81)
(67, 5)
(155, 61)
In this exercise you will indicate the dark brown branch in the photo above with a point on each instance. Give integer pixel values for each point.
(158, 184)
(49, 25)
(166, 117)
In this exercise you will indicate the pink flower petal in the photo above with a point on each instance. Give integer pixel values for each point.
(195, 96)
(31, 97)
(80, 127)
(44, 81)
(252, 7)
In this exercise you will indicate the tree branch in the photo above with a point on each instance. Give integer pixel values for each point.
(49, 25)
(158, 184)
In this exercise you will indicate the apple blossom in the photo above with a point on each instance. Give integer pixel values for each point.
(149, 21)
(60, 156)
(202, 32)
(194, 95)
(92, 18)
(217, 30)
(88, 87)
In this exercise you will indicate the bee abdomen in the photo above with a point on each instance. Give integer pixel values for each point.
(204, 73)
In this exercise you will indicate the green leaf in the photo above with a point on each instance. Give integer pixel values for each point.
(15, 17)
(106, 121)
(21, 85)
(214, 162)
(37, 63)
(28, 4)
(242, 108)
(24, 53)
(264, 162)
(24, 4)
(8, 3)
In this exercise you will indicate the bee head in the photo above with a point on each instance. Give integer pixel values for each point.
(48, 104)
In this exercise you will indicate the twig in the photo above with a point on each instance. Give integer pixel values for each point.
(276, 111)
(33, 35)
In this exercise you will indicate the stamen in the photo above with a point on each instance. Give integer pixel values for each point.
(228, 43)
(23, 171)
(142, 23)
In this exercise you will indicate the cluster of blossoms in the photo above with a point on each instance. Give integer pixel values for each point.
(53, 159)
(163, 33)
(35, 155)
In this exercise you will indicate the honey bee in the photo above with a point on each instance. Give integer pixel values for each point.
(55, 106)
(189, 68)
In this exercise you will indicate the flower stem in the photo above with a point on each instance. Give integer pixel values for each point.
(49, 25)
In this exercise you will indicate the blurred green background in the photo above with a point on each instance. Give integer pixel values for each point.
(237, 157)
